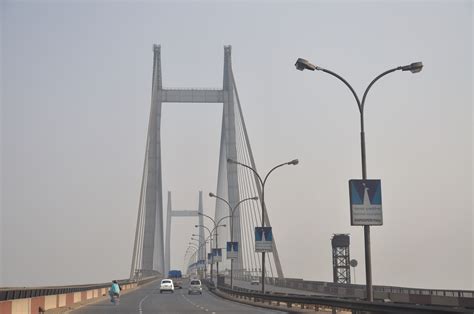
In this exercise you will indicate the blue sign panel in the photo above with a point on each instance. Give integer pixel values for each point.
(232, 250)
(263, 239)
(209, 258)
(217, 255)
(366, 202)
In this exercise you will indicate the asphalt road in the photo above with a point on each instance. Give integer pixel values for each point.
(148, 299)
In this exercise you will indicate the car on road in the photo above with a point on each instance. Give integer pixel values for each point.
(255, 282)
(195, 286)
(166, 285)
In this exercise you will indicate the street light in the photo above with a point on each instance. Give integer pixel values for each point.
(191, 244)
(202, 242)
(195, 247)
(197, 235)
(190, 249)
(293, 162)
(216, 225)
(232, 210)
(210, 243)
(198, 249)
(302, 64)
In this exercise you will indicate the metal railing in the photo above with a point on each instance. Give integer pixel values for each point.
(191, 88)
(25, 292)
(328, 286)
(358, 305)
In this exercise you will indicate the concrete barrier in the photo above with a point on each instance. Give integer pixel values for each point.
(22, 306)
(61, 300)
(49, 302)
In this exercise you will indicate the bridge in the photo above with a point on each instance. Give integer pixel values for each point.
(235, 252)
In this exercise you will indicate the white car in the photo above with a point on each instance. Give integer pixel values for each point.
(255, 282)
(195, 286)
(166, 285)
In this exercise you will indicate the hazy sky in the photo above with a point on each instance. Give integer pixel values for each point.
(75, 100)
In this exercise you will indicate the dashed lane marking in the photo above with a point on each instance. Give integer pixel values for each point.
(196, 305)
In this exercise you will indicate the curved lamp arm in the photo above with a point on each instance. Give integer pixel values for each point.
(208, 217)
(293, 162)
(244, 165)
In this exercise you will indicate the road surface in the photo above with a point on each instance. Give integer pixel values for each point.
(147, 299)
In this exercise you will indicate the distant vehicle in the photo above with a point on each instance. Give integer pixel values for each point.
(255, 282)
(177, 278)
(175, 274)
(167, 285)
(195, 286)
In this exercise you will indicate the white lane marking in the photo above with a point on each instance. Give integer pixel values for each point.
(196, 305)
(140, 311)
(141, 302)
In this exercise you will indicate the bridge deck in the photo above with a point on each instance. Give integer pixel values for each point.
(147, 299)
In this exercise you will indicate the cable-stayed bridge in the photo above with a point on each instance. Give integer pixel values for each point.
(235, 217)
(152, 248)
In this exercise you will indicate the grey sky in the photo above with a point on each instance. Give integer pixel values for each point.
(76, 81)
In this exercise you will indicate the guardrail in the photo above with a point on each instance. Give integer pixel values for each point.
(334, 302)
(39, 299)
(463, 298)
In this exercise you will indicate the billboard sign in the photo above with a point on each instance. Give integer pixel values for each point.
(201, 264)
(366, 202)
(263, 239)
(217, 254)
(232, 250)
(209, 258)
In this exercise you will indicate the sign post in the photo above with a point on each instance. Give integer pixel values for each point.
(232, 250)
(366, 202)
(263, 239)
(217, 254)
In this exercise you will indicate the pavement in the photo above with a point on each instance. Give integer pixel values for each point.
(147, 299)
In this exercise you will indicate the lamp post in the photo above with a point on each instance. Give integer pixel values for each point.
(232, 210)
(202, 242)
(210, 246)
(302, 64)
(216, 225)
(262, 183)
(196, 250)
(188, 250)
(198, 243)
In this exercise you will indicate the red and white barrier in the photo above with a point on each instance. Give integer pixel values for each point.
(38, 304)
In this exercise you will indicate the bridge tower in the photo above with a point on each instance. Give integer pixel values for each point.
(150, 254)
(183, 213)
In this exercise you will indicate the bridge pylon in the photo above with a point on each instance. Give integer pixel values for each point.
(150, 253)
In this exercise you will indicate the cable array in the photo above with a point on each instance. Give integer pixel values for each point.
(250, 211)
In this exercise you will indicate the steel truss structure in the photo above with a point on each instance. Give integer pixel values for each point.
(341, 258)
